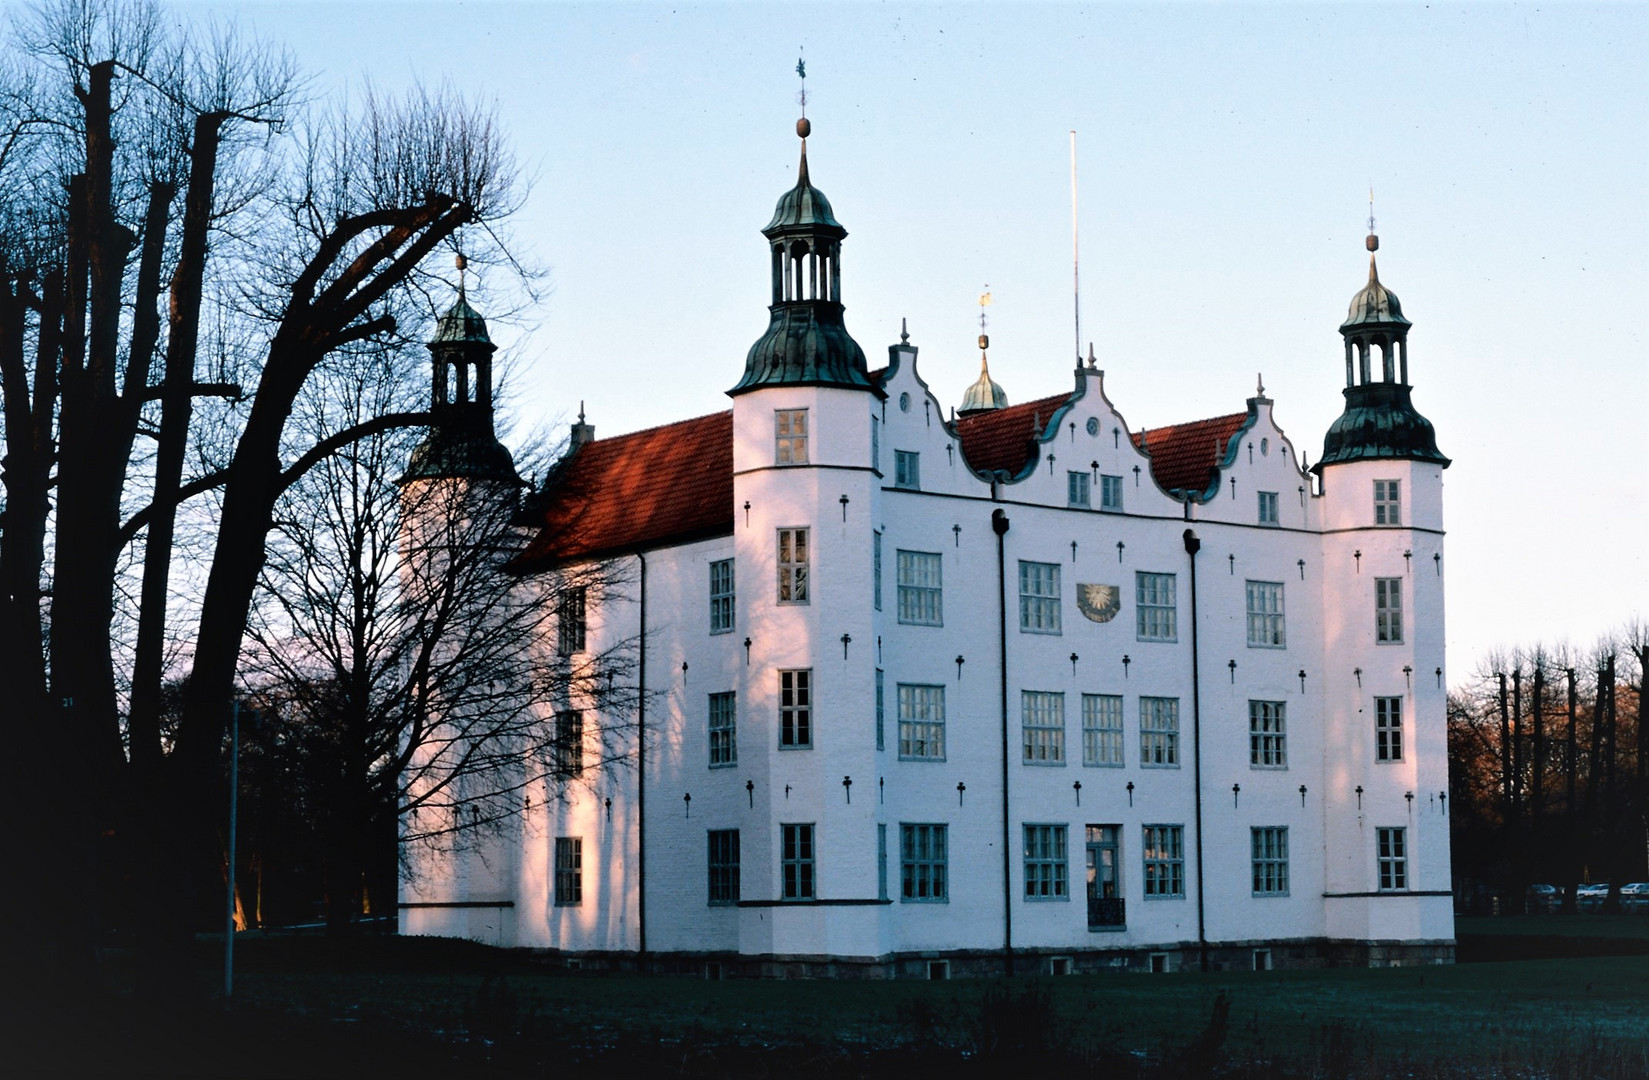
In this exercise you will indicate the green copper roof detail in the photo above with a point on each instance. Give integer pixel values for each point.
(806, 344)
(1374, 304)
(984, 395)
(1380, 422)
(454, 453)
(461, 325)
(804, 208)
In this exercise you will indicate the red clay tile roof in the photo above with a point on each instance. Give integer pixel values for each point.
(665, 485)
(1185, 456)
(1001, 439)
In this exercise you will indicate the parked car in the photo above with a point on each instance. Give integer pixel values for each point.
(1635, 896)
(1591, 897)
(1543, 899)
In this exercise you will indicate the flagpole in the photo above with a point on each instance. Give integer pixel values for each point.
(1076, 272)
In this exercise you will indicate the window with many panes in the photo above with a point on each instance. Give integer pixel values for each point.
(796, 866)
(1388, 610)
(922, 863)
(724, 741)
(1159, 732)
(1043, 713)
(1164, 861)
(721, 596)
(568, 748)
(1265, 615)
(1270, 853)
(1388, 729)
(724, 866)
(921, 722)
(1154, 613)
(1391, 854)
(793, 562)
(569, 871)
(1110, 492)
(570, 621)
(881, 710)
(1038, 598)
(1268, 508)
(1076, 488)
(1102, 729)
(1388, 502)
(907, 469)
(790, 436)
(1046, 869)
(1267, 735)
(795, 708)
(921, 596)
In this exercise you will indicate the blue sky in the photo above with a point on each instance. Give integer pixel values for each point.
(1225, 154)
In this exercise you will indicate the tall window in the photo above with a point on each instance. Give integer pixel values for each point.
(1388, 729)
(1388, 502)
(1038, 598)
(1268, 508)
(921, 722)
(876, 569)
(1046, 870)
(1101, 729)
(907, 469)
(881, 861)
(793, 566)
(724, 740)
(724, 866)
(1044, 726)
(1391, 852)
(568, 748)
(790, 436)
(1154, 607)
(1164, 860)
(1159, 732)
(1388, 610)
(1104, 873)
(921, 599)
(1110, 492)
(876, 443)
(721, 596)
(1265, 615)
(1076, 488)
(796, 708)
(1270, 848)
(796, 861)
(881, 710)
(570, 625)
(569, 871)
(922, 863)
(1267, 735)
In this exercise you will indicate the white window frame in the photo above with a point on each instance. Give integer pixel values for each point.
(790, 436)
(924, 863)
(907, 470)
(1388, 729)
(1156, 614)
(1268, 847)
(721, 596)
(796, 709)
(921, 722)
(1267, 734)
(1110, 492)
(1159, 732)
(1102, 730)
(798, 861)
(1042, 718)
(1268, 508)
(1388, 611)
(1039, 598)
(1163, 855)
(723, 867)
(921, 597)
(569, 871)
(1047, 862)
(793, 553)
(1388, 502)
(723, 710)
(1391, 859)
(1078, 485)
(1267, 628)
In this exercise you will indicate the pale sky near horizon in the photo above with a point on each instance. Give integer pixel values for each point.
(1225, 156)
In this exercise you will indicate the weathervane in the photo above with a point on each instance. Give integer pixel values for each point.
(984, 302)
(801, 72)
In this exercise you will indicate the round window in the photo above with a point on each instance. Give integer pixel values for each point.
(904, 403)
(1093, 425)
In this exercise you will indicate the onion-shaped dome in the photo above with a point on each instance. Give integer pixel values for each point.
(984, 395)
(1374, 303)
(1379, 421)
(803, 207)
(461, 325)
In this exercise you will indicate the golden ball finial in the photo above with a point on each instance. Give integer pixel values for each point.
(1372, 243)
(804, 127)
(460, 262)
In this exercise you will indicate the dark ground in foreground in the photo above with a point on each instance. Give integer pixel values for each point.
(1548, 997)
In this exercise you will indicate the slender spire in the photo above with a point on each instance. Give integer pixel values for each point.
(904, 331)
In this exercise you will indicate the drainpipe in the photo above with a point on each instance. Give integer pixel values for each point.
(641, 778)
(999, 525)
(1192, 546)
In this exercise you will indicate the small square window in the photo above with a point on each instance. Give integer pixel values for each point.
(907, 469)
(1154, 612)
(790, 436)
(1110, 492)
(1076, 488)
(1038, 598)
(721, 596)
(1388, 610)
(1268, 508)
(1388, 502)
(793, 566)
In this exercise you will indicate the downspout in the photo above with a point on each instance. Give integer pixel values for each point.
(999, 525)
(1192, 546)
(641, 777)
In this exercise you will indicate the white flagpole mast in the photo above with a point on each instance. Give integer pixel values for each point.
(1076, 275)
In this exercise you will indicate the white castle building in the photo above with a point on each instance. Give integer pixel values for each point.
(1021, 688)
